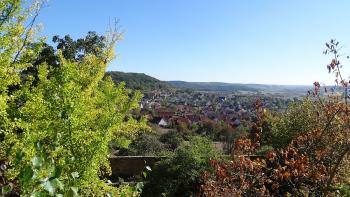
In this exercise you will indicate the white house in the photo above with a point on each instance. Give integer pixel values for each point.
(163, 122)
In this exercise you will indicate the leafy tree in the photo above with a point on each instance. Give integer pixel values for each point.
(72, 50)
(298, 118)
(310, 161)
(179, 175)
(229, 135)
(78, 49)
(146, 144)
(182, 127)
(172, 139)
(55, 134)
(14, 56)
(207, 128)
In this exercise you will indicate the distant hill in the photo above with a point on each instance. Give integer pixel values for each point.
(138, 81)
(145, 83)
(234, 87)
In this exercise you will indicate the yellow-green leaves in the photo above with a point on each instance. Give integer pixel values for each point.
(55, 132)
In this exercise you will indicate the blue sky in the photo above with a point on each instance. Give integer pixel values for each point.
(238, 41)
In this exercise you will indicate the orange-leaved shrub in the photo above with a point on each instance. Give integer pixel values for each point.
(312, 163)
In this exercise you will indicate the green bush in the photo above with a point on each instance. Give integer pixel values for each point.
(55, 133)
(179, 175)
(172, 139)
(146, 144)
(344, 190)
(263, 150)
(298, 118)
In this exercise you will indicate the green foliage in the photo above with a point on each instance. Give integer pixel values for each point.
(129, 191)
(13, 54)
(72, 50)
(208, 128)
(219, 131)
(192, 157)
(66, 123)
(138, 81)
(55, 134)
(121, 142)
(77, 49)
(151, 144)
(263, 150)
(146, 144)
(179, 174)
(172, 139)
(298, 118)
(14, 57)
(344, 190)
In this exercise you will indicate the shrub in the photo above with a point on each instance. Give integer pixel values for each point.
(172, 139)
(263, 150)
(179, 175)
(298, 118)
(312, 157)
(146, 144)
(55, 133)
(344, 190)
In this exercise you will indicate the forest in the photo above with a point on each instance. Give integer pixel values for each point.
(62, 116)
(139, 81)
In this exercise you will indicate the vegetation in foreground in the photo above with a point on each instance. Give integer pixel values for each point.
(310, 159)
(59, 116)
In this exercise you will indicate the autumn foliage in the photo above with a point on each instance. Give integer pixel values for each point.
(310, 165)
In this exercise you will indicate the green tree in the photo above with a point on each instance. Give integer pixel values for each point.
(55, 134)
(179, 175)
(72, 50)
(146, 144)
(298, 118)
(172, 139)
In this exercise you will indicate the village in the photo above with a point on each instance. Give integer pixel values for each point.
(169, 109)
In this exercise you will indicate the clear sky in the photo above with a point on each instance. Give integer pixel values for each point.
(238, 41)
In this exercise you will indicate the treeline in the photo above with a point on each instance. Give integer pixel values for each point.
(139, 81)
(236, 87)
